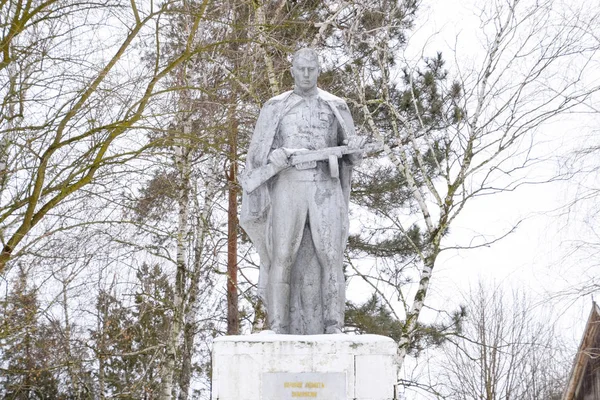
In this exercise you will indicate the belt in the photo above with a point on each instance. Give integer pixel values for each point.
(312, 164)
(306, 165)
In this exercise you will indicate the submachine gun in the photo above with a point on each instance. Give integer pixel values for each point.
(251, 181)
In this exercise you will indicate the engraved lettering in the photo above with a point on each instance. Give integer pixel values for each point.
(303, 385)
(304, 394)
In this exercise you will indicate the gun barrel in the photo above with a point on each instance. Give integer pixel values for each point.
(338, 151)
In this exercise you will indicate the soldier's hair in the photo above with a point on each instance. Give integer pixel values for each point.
(306, 53)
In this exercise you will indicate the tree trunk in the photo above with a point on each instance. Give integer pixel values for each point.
(189, 330)
(182, 163)
(418, 302)
(73, 365)
(233, 316)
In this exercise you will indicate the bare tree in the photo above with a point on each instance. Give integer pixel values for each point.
(453, 135)
(508, 350)
(68, 112)
(577, 220)
(81, 121)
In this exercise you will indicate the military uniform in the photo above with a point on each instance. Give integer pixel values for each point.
(300, 196)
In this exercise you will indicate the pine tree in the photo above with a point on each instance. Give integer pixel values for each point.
(129, 339)
(29, 364)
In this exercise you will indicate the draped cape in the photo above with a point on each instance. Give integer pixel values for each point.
(256, 206)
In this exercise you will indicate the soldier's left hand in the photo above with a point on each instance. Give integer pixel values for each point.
(355, 142)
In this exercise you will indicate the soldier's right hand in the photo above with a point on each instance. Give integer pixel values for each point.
(279, 158)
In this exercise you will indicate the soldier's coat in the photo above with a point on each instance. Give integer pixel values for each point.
(256, 209)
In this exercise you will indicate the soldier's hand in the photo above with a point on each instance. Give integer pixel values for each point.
(355, 142)
(278, 158)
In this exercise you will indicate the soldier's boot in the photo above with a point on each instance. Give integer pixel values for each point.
(333, 309)
(279, 308)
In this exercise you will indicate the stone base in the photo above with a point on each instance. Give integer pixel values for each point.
(268, 366)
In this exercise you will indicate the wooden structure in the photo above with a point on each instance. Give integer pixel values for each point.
(584, 382)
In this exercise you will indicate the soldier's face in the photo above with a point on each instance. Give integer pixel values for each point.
(305, 73)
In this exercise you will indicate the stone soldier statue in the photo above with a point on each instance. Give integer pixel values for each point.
(296, 213)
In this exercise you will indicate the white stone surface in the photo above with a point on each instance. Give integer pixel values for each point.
(243, 364)
(295, 202)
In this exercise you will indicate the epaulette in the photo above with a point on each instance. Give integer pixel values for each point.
(330, 97)
(279, 98)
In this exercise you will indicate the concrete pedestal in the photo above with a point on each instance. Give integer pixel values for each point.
(279, 367)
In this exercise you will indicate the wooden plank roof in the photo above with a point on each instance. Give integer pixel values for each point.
(582, 358)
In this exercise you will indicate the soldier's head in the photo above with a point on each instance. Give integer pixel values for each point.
(305, 69)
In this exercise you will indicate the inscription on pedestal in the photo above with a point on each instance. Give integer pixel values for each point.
(304, 385)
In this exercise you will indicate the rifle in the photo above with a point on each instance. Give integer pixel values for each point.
(252, 180)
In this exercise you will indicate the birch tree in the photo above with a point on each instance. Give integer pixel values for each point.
(453, 134)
